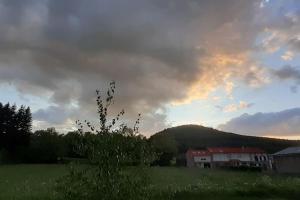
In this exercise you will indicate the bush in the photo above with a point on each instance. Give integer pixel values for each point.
(46, 146)
(110, 151)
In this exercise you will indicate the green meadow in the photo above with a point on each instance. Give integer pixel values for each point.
(28, 182)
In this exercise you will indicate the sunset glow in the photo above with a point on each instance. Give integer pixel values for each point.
(232, 65)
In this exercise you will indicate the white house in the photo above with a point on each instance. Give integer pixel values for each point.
(227, 157)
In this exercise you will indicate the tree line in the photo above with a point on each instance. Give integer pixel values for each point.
(18, 144)
(15, 130)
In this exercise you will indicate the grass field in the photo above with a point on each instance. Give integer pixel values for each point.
(38, 181)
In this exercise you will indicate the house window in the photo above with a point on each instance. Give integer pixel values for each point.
(265, 158)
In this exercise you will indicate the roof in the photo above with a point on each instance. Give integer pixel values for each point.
(235, 150)
(198, 153)
(215, 150)
(287, 151)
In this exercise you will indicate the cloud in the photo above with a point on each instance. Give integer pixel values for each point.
(170, 51)
(263, 3)
(281, 27)
(288, 73)
(68, 125)
(235, 107)
(52, 115)
(295, 43)
(284, 123)
(289, 55)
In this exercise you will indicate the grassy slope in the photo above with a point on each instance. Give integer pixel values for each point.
(194, 136)
(37, 181)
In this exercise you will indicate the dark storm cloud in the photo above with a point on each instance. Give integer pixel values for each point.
(283, 123)
(69, 48)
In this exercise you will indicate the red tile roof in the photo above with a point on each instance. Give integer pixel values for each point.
(235, 150)
(214, 150)
(198, 153)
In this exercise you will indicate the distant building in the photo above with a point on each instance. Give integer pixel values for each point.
(197, 158)
(228, 157)
(287, 160)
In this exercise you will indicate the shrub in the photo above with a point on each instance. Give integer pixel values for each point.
(110, 150)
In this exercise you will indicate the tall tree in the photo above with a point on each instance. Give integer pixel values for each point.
(15, 127)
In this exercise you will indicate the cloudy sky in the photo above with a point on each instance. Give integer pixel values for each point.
(232, 64)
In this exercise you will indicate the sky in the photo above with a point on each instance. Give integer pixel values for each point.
(232, 65)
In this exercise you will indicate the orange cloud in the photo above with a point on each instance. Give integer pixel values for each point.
(235, 107)
(221, 70)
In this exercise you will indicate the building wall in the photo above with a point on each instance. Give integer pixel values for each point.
(189, 161)
(231, 156)
(202, 158)
(287, 164)
(228, 159)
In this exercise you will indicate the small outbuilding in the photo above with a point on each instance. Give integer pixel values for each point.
(287, 160)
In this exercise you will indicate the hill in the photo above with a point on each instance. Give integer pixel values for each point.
(200, 137)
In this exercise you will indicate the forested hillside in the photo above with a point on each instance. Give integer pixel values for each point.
(199, 137)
